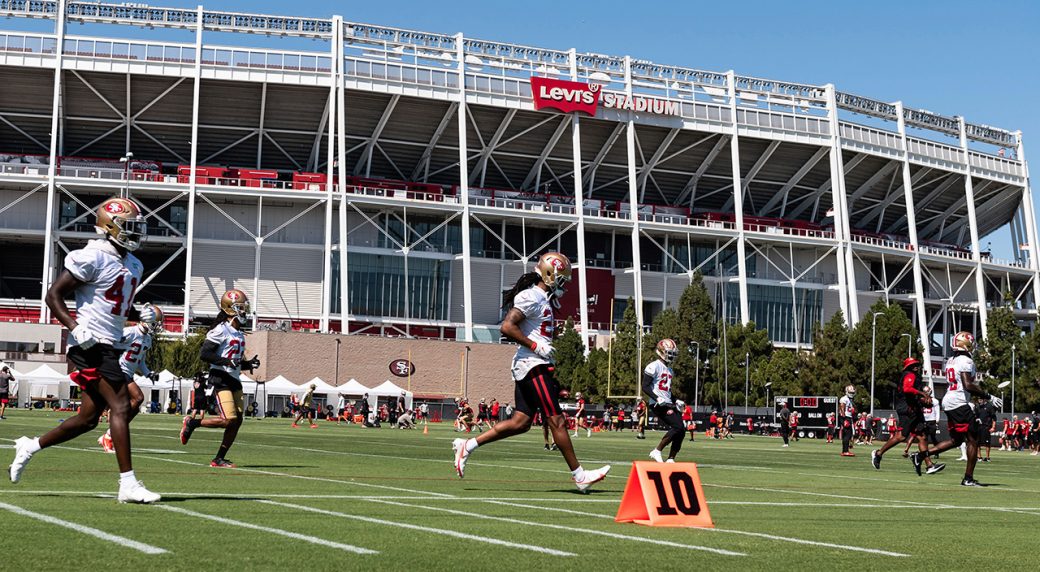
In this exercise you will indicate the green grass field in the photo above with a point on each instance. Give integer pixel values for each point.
(349, 498)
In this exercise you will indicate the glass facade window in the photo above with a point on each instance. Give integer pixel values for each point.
(377, 286)
(786, 318)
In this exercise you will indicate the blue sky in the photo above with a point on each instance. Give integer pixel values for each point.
(952, 57)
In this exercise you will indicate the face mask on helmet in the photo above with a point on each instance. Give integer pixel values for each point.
(121, 221)
(555, 271)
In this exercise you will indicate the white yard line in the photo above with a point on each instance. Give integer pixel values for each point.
(568, 529)
(88, 530)
(723, 530)
(441, 531)
(277, 531)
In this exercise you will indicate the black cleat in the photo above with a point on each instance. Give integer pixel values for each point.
(546, 446)
(970, 482)
(875, 459)
(916, 459)
(553, 447)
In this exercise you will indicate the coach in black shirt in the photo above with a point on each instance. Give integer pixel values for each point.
(987, 418)
(785, 423)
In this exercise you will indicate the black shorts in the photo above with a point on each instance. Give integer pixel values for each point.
(669, 416)
(102, 358)
(983, 437)
(221, 380)
(4, 397)
(911, 422)
(538, 391)
(961, 421)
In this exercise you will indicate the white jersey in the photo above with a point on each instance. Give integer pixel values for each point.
(845, 404)
(231, 344)
(536, 325)
(661, 394)
(956, 395)
(137, 344)
(931, 413)
(109, 282)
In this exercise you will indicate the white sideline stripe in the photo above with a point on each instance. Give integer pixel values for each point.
(720, 530)
(89, 531)
(569, 529)
(279, 532)
(444, 532)
(828, 495)
(303, 477)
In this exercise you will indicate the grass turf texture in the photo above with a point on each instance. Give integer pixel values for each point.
(378, 479)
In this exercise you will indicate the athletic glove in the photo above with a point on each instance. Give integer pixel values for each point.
(250, 364)
(146, 313)
(996, 401)
(543, 350)
(84, 338)
(154, 376)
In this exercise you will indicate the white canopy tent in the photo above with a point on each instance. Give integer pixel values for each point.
(163, 387)
(42, 382)
(322, 386)
(388, 390)
(352, 388)
(280, 386)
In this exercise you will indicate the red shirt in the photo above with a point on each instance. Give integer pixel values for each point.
(714, 420)
(687, 413)
(494, 409)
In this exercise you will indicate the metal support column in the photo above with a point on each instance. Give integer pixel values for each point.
(467, 275)
(911, 223)
(738, 201)
(330, 162)
(1029, 221)
(189, 239)
(341, 160)
(841, 238)
(633, 195)
(52, 167)
(579, 202)
(973, 226)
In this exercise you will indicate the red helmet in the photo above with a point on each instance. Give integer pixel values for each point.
(910, 362)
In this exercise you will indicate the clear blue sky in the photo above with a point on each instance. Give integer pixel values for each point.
(953, 57)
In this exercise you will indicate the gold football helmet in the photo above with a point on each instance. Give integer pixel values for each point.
(235, 303)
(963, 342)
(667, 350)
(121, 221)
(555, 270)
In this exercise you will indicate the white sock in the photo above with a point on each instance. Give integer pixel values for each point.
(34, 445)
(578, 473)
(471, 445)
(127, 478)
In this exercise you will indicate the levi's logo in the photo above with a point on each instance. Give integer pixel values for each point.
(567, 96)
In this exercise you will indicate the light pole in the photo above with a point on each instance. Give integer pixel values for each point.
(909, 340)
(768, 404)
(696, 375)
(337, 361)
(747, 379)
(1012, 380)
(465, 390)
(873, 336)
(126, 173)
(725, 362)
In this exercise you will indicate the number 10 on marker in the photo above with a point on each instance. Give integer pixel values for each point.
(659, 494)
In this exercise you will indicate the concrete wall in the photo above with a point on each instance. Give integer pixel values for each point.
(438, 364)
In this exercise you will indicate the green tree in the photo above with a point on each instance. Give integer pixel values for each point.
(994, 358)
(782, 370)
(596, 375)
(890, 350)
(828, 369)
(180, 356)
(740, 341)
(570, 358)
(624, 354)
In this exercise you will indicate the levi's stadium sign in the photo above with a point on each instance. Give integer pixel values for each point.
(567, 96)
(571, 96)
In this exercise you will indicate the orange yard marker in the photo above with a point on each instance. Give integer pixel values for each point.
(664, 494)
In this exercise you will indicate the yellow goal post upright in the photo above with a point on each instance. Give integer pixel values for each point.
(610, 353)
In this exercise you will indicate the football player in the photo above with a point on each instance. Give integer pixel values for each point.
(529, 322)
(224, 351)
(847, 415)
(137, 340)
(961, 376)
(909, 399)
(657, 383)
(830, 427)
(986, 415)
(104, 276)
(579, 417)
(306, 408)
(641, 418)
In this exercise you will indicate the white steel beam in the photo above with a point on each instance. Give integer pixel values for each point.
(423, 166)
(49, 238)
(841, 237)
(534, 175)
(782, 194)
(811, 199)
(590, 173)
(648, 166)
(365, 161)
(746, 180)
(23, 132)
(479, 170)
(330, 161)
(690, 190)
(927, 200)
(312, 160)
(923, 330)
(467, 275)
(1029, 220)
(633, 202)
(738, 201)
(189, 241)
(976, 253)
(341, 171)
(260, 129)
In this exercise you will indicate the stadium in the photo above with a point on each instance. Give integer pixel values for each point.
(394, 183)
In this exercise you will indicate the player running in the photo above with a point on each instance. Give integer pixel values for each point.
(104, 276)
(138, 341)
(223, 350)
(657, 383)
(961, 376)
(529, 322)
(306, 408)
(909, 399)
(641, 418)
(847, 415)
(579, 417)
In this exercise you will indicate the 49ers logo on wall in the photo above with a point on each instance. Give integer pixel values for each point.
(567, 96)
(402, 368)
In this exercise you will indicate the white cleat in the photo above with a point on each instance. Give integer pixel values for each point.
(670, 461)
(459, 447)
(136, 493)
(21, 458)
(655, 455)
(591, 478)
